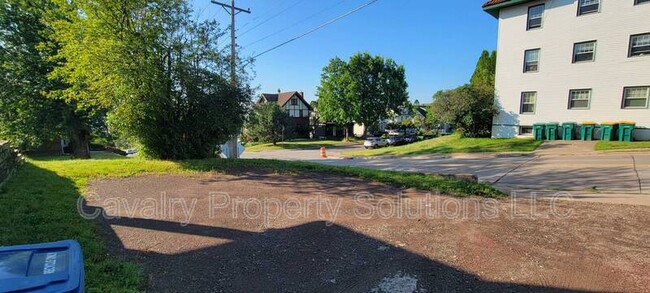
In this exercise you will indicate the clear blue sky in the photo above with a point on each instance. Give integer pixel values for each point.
(437, 41)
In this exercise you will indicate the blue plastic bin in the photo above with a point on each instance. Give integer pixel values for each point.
(47, 267)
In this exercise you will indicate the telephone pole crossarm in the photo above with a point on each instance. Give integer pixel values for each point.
(237, 9)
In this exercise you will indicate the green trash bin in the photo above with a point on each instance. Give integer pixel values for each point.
(608, 131)
(625, 130)
(538, 131)
(568, 130)
(587, 131)
(551, 131)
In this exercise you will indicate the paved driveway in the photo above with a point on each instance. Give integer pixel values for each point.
(618, 177)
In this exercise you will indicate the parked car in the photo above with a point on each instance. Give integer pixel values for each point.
(374, 142)
(410, 139)
(395, 140)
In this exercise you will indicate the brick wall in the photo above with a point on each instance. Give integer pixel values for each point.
(10, 160)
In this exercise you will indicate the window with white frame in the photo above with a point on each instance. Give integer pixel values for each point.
(588, 6)
(639, 45)
(528, 102)
(585, 51)
(531, 60)
(535, 16)
(579, 99)
(636, 97)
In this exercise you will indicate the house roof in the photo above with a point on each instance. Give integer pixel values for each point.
(283, 98)
(494, 6)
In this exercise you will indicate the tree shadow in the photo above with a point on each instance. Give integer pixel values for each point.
(311, 257)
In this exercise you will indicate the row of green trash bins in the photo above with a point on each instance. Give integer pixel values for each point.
(609, 131)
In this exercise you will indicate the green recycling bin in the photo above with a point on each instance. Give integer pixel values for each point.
(608, 131)
(538, 131)
(568, 130)
(587, 131)
(551, 131)
(625, 130)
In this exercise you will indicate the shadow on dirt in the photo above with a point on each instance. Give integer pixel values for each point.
(313, 257)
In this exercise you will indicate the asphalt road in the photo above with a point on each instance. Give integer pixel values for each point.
(617, 177)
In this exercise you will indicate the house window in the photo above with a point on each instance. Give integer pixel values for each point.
(294, 101)
(531, 60)
(528, 101)
(305, 113)
(588, 6)
(639, 45)
(535, 16)
(636, 97)
(525, 130)
(637, 2)
(579, 99)
(585, 51)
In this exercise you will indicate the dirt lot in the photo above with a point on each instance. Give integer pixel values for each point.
(277, 233)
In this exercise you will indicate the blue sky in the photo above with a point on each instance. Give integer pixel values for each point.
(437, 41)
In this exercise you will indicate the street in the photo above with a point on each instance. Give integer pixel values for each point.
(613, 177)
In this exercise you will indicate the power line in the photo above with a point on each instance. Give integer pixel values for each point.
(319, 27)
(272, 17)
(293, 25)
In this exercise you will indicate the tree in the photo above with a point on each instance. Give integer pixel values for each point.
(485, 71)
(468, 109)
(29, 116)
(158, 71)
(363, 90)
(268, 123)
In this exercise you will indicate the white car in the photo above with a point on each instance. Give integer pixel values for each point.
(374, 142)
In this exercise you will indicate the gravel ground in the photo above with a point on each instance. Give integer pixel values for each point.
(376, 242)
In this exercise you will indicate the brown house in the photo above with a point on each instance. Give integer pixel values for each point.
(295, 105)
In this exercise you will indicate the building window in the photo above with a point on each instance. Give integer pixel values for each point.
(636, 97)
(637, 2)
(535, 16)
(528, 101)
(588, 6)
(639, 45)
(305, 113)
(294, 101)
(579, 99)
(585, 51)
(525, 130)
(531, 60)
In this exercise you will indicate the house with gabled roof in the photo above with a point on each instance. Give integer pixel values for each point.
(295, 105)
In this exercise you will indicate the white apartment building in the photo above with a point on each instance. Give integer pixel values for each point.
(571, 61)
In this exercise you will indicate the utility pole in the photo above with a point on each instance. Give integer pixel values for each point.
(233, 11)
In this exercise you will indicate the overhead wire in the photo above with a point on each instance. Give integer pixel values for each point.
(293, 25)
(296, 3)
(317, 27)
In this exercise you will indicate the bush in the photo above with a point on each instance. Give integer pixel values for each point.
(468, 109)
(268, 123)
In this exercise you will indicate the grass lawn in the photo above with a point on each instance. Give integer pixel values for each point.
(454, 144)
(297, 144)
(619, 145)
(39, 204)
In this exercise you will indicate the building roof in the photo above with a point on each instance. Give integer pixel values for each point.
(283, 98)
(494, 6)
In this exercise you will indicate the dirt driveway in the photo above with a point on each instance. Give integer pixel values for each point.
(276, 233)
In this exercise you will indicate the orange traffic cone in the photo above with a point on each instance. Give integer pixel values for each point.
(323, 154)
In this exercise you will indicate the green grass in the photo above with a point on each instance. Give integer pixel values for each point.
(454, 144)
(39, 204)
(618, 145)
(297, 145)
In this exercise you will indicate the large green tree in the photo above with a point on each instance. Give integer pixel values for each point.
(268, 123)
(29, 116)
(158, 70)
(485, 71)
(364, 90)
(469, 109)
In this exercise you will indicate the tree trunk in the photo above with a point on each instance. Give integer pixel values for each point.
(347, 133)
(79, 143)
